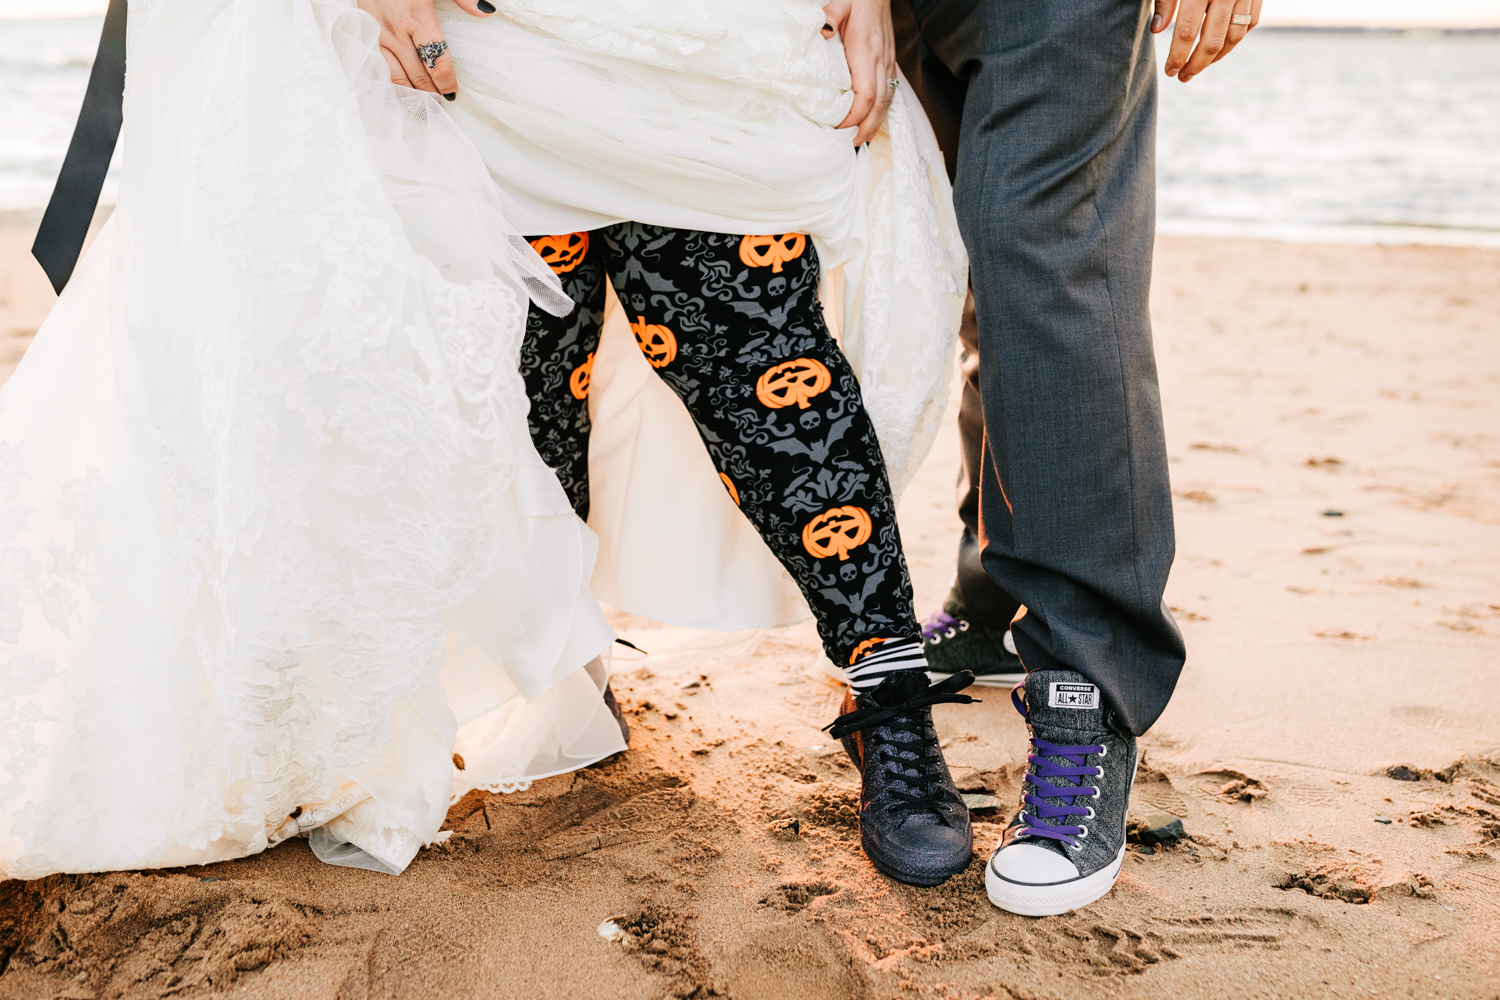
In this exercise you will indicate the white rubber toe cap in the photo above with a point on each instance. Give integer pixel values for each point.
(1030, 864)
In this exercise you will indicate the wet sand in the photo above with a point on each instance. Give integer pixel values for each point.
(1333, 418)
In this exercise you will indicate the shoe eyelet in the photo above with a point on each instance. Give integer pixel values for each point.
(1103, 750)
(936, 638)
(1098, 772)
(1083, 831)
(1091, 813)
(950, 633)
(963, 626)
(1073, 847)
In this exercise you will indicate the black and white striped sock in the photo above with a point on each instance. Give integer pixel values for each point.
(884, 659)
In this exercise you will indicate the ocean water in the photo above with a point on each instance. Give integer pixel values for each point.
(44, 71)
(1346, 136)
(1336, 136)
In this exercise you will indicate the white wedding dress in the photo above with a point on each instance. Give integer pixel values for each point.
(276, 551)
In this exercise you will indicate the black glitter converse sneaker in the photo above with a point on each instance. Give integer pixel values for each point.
(913, 824)
(1064, 847)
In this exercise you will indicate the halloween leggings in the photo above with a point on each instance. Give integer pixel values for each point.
(733, 324)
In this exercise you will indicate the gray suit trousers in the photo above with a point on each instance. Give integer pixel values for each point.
(1046, 112)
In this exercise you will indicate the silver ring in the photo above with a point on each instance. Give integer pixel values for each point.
(893, 84)
(431, 51)
(1240, 19)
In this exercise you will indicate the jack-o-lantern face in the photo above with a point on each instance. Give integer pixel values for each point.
(772, 251)
(836, 531)
(734, 494)
(863, 648)
(578, 382)
(562, 253)
(792, 382)
(656, 342)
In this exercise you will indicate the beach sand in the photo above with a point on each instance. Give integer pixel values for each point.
(1333, 419)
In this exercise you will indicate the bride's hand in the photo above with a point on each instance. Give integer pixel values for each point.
(870, 46)
(405, 24)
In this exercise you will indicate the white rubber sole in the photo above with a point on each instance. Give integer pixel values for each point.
(1050, 900)
(986, 680)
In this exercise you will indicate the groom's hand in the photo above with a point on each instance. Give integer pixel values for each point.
(405, 24)
(870, 47)
(1210, 24)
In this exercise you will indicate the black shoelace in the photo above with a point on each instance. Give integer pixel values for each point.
(926, 793)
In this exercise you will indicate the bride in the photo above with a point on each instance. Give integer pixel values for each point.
(277, 553)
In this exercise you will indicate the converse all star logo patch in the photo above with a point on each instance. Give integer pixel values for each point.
(1065, 695)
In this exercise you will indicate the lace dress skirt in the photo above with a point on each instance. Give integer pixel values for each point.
(274, 541)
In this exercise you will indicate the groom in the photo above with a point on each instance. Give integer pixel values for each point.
(1046, 112)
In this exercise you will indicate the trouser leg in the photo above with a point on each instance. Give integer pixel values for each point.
(557, 358)
(942, 97)
(983, 599)
(733, 325)
(1055, 198)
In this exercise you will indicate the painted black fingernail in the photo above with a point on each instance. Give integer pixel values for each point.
(451, 97)
(486, 6)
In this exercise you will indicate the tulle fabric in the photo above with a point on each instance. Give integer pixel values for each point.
(716, 115)
(274, 543)
(273, 537)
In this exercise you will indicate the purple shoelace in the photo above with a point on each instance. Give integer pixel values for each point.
(1034, 823)
(941, 624)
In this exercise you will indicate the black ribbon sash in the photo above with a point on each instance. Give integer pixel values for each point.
(65, 225)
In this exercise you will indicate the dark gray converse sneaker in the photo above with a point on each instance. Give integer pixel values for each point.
(1064, 847)
(912, 822)
(952, 642)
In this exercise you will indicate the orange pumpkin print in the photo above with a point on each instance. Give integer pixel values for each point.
(578, 382)
(863, 648)
(656, 342)
(772, 251)
(734, 494)
(562, 253)
(792, 382)
(836, 531)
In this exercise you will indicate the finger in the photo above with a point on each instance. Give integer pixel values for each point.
(479, 8)
(862, 70)
(427, 31)
(1189, 20)
(1163, 16)
(1237, 32)
(444, 76)
(864, 102)
(405, 51)
(398, 75)
(877, 115)
(1211, 40)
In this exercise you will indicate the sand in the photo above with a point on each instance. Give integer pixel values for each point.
(1333, 418)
